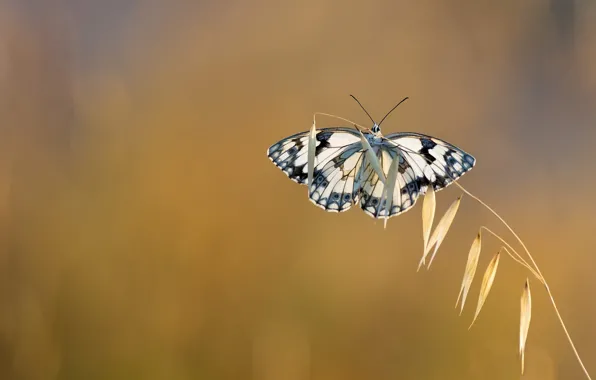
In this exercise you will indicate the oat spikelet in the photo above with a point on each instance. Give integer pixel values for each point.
(470, 271)
(312, 145)
(428, 214)
(524, 323)
(536, 271)
(440, 231)
(487, 283)
(372, 157)
(390, 187)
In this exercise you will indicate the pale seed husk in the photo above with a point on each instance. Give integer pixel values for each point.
(372, 157)
(524, 323)
(312, 144)
(487, 283)
(440, 231)
(428, 214)
(390, 187)
(470, 271)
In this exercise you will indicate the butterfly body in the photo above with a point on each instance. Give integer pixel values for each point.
(343, 175)
(375, 139)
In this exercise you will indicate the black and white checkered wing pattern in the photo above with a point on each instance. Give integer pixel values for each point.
(409, 185)
(423, 160)
(343, 175)
(441, 162)
(338, 160)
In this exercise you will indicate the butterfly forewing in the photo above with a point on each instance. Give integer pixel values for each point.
(290, 154)
(440, 161)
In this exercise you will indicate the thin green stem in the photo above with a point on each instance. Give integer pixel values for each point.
(552, 299)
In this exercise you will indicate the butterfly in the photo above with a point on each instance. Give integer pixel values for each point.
(344, 175)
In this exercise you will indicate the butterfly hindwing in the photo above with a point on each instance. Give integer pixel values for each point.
(336, 186)
(409, 184)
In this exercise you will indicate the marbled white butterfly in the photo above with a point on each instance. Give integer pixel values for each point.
(343, 174)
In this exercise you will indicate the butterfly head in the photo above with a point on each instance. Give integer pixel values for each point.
(376, 129)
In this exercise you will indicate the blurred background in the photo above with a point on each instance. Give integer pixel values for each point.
(144, 234)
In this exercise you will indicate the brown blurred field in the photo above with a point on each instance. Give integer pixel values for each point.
(144, 234)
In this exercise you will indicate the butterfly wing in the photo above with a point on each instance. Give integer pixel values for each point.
(338, 160)
(441, 162)
(409, 185)
(423, 160)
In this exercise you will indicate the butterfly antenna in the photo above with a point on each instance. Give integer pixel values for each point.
(403, 100)
(364, 109)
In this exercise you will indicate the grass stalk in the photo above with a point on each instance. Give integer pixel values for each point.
(537, 271)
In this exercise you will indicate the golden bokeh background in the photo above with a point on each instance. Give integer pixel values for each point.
(145, 234)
